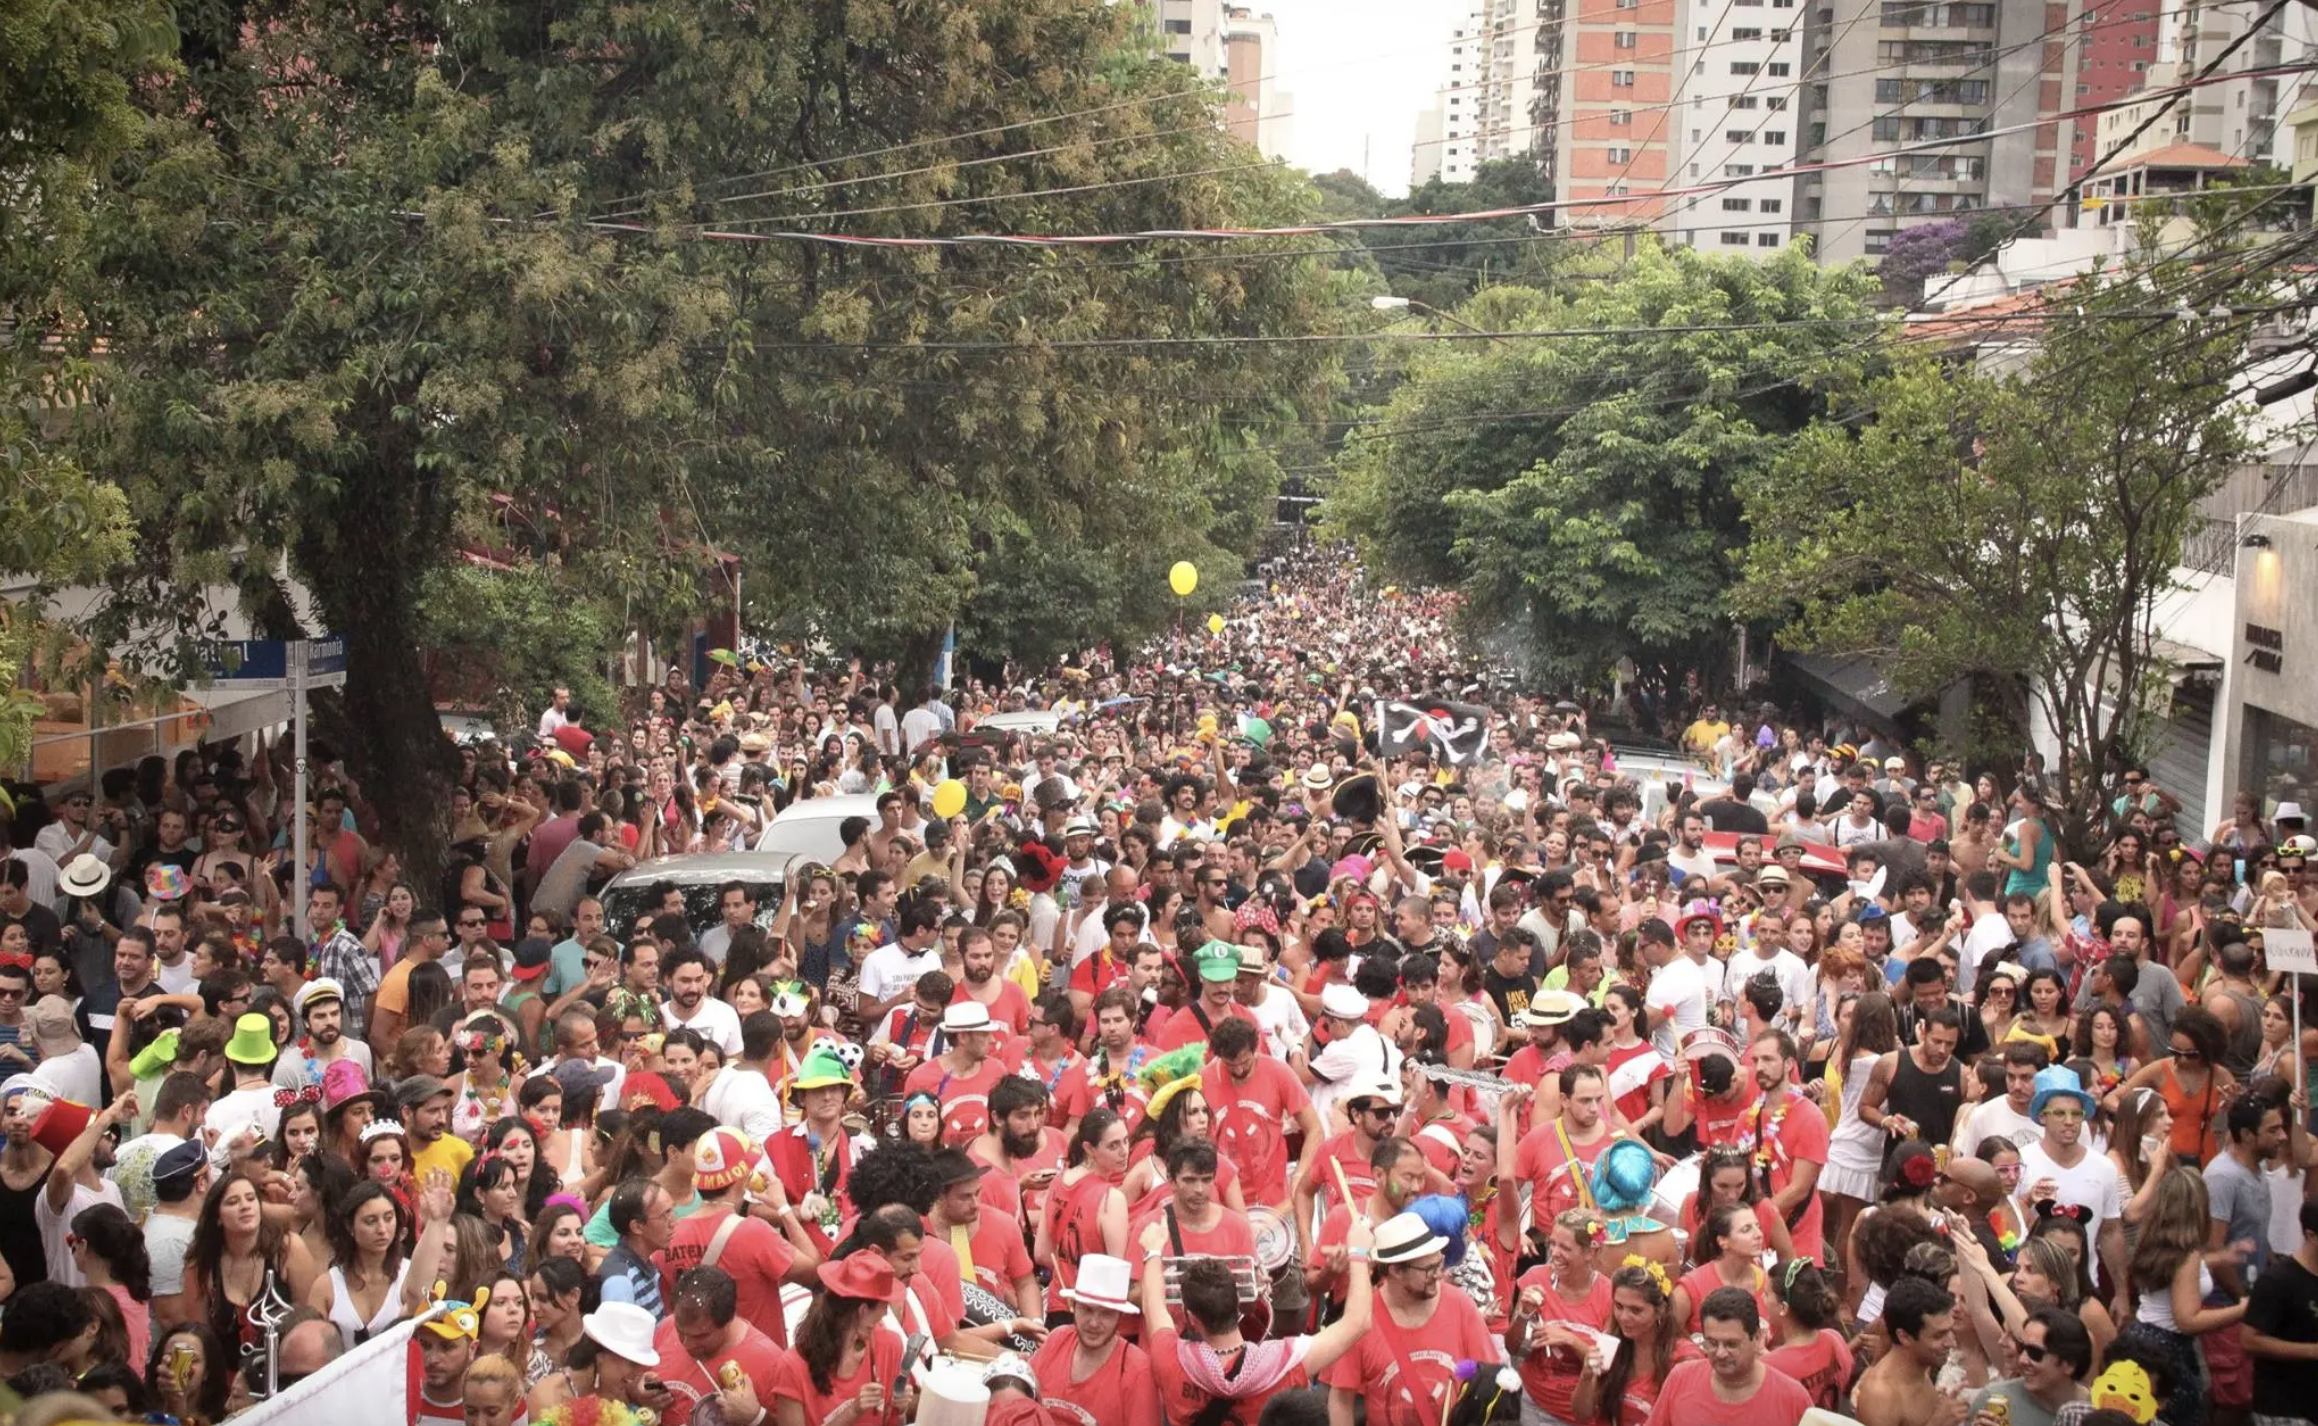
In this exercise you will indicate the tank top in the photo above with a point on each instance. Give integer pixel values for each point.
(2193, 1114)
(1930, 1100)
(342, 1309)
(20, 1242)
(2244, 1049)
(2037, 877)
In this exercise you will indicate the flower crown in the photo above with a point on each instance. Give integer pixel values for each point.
(1654, 1269)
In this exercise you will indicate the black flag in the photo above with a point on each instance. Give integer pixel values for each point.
(1453, 732)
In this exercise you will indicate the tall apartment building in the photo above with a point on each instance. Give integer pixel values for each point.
(1238, 47)
(2116, 45)
(1737, 117)
(2240, 116)
(1448, 138)
(1881, 75)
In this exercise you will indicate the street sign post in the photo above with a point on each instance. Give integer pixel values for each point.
(294, 666)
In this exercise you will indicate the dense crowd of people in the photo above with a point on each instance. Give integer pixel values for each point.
(1252, 1047)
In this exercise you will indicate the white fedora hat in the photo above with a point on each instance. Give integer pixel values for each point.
(965, 1017)
(625, 1330)
(1404, 1238)
(84, 875)
(1104, 1281)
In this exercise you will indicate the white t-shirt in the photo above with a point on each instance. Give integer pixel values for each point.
(609, 1096)
(1282, 1021)
(245, 1109)
(2094, 1184)
(58, 838)
(717, 1022)
(552, 721)
(1990, 932)
(744, 1099)
(177, 979)
(1995, 1119)
(1794, 978)
(1361, 1057)
(54, 1226)
(893, 968)
(1699, 864)
(78, 1076)
(888, 729)
(1678, 988)
(917, 725)
(167, 1236)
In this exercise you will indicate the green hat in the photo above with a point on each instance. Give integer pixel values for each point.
(253, 1040)
(821, 1070)
(1217, 961)
(155, 1057)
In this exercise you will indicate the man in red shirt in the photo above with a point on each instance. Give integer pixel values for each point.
(960, 1078)
(1218, 971)
(1191, 1374)
(1434, 1124)
(703, 1333)
(1112, 1075)
(1794, 1133)
(1087, 1372)
(1198, 1223)
(1402, 1176)
(978, 960)
(745, 1250)
(1406, 1367)
(814, 1157)
(1556, 1159)
(1252, 1099)
(1733, 1386)
(1539, 1063)
(1715, 1097)
(1023, 1155)
(1370, 1108)
(989, 1249)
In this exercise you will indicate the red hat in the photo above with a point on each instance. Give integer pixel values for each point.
(59, 1124)
(1455, 859)
(1036, 867)
(863, 1275)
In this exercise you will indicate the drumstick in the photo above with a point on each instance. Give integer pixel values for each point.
(1343, 1185)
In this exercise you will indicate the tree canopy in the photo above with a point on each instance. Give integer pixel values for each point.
(1582, 489)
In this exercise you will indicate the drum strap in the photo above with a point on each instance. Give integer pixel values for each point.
(716, 1245)
(1174, 1231)
(962, 1243)
(1577, 1170)
(1408, 1371)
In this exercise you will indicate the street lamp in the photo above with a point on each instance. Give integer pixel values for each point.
(1387, 303)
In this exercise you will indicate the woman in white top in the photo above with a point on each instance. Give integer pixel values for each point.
(1867, 1028)
(2169, 1270)
(367, 1289)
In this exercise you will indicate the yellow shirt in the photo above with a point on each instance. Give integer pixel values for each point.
(450, 1153)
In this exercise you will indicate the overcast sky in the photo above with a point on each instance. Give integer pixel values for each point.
(1360, 71)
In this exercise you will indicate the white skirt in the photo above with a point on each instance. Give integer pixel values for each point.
(1851, 1182)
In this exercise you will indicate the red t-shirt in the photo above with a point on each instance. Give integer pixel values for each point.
(1797, 1131)
(1550, 1374)
(1554, 1177)
(755, 1256)
(1002, 1188)
(1183, 1399)
(691, 1381)
(1454, 1333)
(1097, 972)
(880, 1364)
(1688, 1399)
(1642, 1391)
(1721, 1123)
(1082, 1089)
(1162, 1191)
(1822, 1365)
(1344, 1149)
(965, 1098)
(1183, 1027)
(1632, 1070)
(937, 1275)
(1249, 1123)
(1074, 1224)
(1122, 1391)
(1011, 1008)
(1000, 1259)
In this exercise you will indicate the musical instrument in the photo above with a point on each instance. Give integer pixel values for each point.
(1478, 1081)
(1276, 1255)
(1484, 1028)
(1711, 1042)
(984, 1307)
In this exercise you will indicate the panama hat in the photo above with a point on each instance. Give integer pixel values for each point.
(1406, 1237)
(625, 1330)
(1104, 1281)
(85, 875)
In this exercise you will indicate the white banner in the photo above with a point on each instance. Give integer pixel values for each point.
(2290, 950)
(369, 1386)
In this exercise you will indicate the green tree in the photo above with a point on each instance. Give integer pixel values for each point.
(1582, 489)
(2015, 528)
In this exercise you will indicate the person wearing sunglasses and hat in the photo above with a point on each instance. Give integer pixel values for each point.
(961, 1077)
(1405, 1367)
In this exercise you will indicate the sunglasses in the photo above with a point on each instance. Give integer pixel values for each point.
(2029, 1351)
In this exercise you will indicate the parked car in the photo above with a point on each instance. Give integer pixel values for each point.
(627, 896)
(809, 828)
(1037, 722)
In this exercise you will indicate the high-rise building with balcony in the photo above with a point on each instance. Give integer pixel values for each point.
(1736, 117)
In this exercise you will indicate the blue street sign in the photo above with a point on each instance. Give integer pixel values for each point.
(268, 660)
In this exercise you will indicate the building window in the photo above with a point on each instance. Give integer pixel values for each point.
(1746, 32)
(1780, 37)
(1615, 190)
(1766, 240)
(1744, 66)
(1886, 128)
(1734, 240)
(1778, 69)
(1737, 205)
(1735, 136)
(1694, 170)
(1738, 170)
(1183, 27)
(1776, 103)
(1811, 209)
(1878, 239)
(1744, 101)
(1619, 153)
(1702, 34)
(1621, 79)
(1620, 118)
(1774, 136)
(1625, 39)
(1773, 205)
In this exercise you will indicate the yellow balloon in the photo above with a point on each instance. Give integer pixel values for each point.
(1183, 578)
(1215, 623)
(949, 798)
